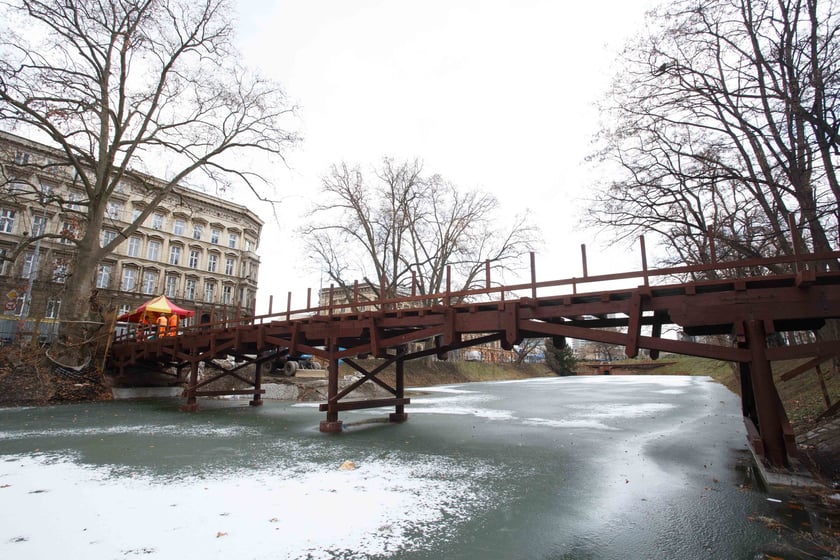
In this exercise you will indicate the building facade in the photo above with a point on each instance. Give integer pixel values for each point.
(197, 249)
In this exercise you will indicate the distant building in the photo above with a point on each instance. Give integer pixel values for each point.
(356, 299)
(197, 249)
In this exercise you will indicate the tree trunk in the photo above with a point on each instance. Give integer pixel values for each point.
(80, 318)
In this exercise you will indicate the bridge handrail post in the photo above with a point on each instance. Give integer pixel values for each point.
(583, 259)
(644, 259)
(710, 233)
(794, 241)
(533, 276)
(448, 285)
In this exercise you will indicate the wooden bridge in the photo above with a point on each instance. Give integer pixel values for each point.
(750, 304)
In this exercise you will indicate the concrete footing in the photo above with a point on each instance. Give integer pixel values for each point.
(398, 417)
(331, 427)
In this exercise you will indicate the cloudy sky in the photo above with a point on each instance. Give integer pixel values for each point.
(494, 95)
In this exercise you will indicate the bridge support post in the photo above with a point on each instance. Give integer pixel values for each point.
(399, 414)
(761, 400)
(332, 424)
(192, 403)
(257, 400)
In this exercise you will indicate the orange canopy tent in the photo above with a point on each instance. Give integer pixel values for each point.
(153, 308)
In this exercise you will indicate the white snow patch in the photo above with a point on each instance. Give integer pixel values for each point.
(585, 424)
(53, 507)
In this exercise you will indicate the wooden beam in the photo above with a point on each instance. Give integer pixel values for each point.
(357, 405)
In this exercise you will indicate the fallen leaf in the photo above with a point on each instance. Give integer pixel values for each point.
(221, 534)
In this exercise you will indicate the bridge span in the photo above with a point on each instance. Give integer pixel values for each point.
(746, 302)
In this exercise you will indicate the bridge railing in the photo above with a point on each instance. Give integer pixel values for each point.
(816, 263)
(355, 302)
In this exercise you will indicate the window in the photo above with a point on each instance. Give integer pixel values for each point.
(135, 214)
(189, 289)
(73, 200)
(129, 280)
(178, 228)
(198, 229)
(103, 275)
(121, 328)
(7, 220)
(68, 232)
(233, 240)
(171, 285)
(107, 236)
(227, 294)
(53, 307)
(209, 292)
(60, 271)
(22, 306)
(229, 266)
(248, 245)
(21, 158)
(18, 187)
(194, 255)
(149, 282)
(30, 265)
(212, 260)
(39, 225)
(114, 210)
(4, 264)
(153, 250)
(133, 246)
(157, 220)
(214, 236)
(47, 190)
(175, 255)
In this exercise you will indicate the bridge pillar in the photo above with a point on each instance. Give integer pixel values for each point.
(257, 400)
(399, 414)
(192, 403)
(761, 396)
(332, 424)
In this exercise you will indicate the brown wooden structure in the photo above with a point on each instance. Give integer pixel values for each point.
(749, 305)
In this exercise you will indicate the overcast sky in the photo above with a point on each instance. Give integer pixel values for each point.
(494, 95)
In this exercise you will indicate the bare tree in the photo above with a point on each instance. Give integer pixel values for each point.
(128, 88)
(724, 119)
(528, 347)
(401, 226)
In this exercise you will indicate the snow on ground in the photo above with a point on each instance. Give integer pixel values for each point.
(54, 507)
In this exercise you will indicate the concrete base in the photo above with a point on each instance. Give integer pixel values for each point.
(256, 403)
(311, 373)
(794, 477)
(146, 392)
(331, 427)
(398, 417)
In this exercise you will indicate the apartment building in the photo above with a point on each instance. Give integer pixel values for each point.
(197, 249)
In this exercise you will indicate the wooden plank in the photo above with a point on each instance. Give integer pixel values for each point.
(357, 405)
(229, 392)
